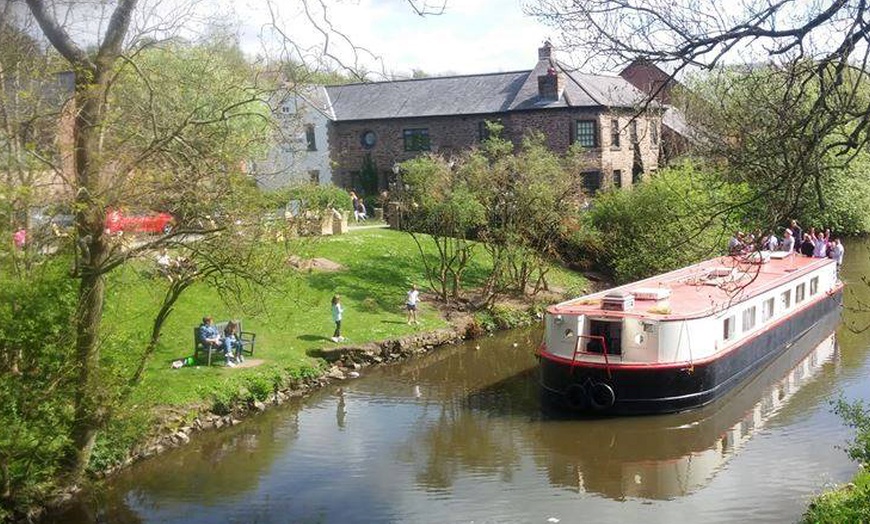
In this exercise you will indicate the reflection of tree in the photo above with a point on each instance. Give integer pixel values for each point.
(460, 440)
(219, 466)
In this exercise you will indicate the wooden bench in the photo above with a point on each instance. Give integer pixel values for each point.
(246, 339)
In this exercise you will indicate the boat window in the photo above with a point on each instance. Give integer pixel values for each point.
(786, 299)
(814, 285)
(748, 318)
(799, 293)
(728, 328)
(767, 310)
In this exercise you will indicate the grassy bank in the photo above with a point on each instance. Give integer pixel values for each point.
(292, 321)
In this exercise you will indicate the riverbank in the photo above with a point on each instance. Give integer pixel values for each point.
(371, 268)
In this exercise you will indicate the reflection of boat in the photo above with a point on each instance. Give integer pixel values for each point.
(682, 339)
(663, 457)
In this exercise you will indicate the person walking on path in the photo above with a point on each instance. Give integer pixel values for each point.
(411, 304)
(337, 310)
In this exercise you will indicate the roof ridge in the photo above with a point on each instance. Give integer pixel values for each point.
(430, 78)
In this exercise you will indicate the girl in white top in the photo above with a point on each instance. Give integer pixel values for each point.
(337, 310)
(411, 304)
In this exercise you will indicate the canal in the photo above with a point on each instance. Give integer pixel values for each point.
(459, 436)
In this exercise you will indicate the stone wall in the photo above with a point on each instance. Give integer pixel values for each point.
(453, 134)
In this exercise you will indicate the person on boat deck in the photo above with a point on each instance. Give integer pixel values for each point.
(807, 246)
(771, 243)
(837, 252)
(735, 243)
(787, 241)
(797, 233)
(820, 244)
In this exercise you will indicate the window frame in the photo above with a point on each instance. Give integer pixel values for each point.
(416, 139)
(729, 327)
(616, 178)
(814, 285)
(799, 293)
(785, 299)
(768, 309)
(591, 189)
(749, 319)
(593, 127)
(310, 138)
(615, 134)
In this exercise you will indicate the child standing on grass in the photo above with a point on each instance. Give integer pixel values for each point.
(337, 310)
(411, 304)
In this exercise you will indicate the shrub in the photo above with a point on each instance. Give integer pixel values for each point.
(680, 216)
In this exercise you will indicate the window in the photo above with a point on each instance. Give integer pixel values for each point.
(416, 139)
(586, 133)
(591, 182)
(728, 328)
(633, 131)
(314, 176)
(614, 133)
(617, 178)
(799, 293)
(654, 132)
(814, 286)
(748, 318)
(286, 109)
(785, 299)
(309, 137)
(767, 310)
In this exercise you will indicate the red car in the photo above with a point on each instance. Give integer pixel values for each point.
(117, 222)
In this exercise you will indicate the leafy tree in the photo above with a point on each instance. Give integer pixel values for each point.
(668, 222)
(763, 128)
(439, 202)
(528, 195)
(156, 124)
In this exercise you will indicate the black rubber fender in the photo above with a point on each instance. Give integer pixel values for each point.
(601, 396)
(576, 397)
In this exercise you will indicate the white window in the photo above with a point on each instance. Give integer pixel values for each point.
(814, 286)
(728, 326)
(799, 293)
(767, 310)
(748, 318)
(785, 299)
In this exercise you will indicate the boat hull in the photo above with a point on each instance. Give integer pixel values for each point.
(625, 389)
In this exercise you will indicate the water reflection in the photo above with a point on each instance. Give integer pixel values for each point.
(458, 435)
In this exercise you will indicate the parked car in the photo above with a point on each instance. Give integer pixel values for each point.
(149, 222)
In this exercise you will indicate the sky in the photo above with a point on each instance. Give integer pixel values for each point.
(470, 36)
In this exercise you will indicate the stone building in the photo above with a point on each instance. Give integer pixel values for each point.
(376, 125)
(301, 151)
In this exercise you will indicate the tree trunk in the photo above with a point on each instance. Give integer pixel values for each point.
(89, 402)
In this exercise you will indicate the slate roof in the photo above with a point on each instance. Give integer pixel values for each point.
(476, 94)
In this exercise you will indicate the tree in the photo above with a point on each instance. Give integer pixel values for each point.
(148, 121)
(764, 128)
(441, 207)
(818, 50)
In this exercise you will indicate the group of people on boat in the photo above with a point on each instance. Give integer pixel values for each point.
(811, 243)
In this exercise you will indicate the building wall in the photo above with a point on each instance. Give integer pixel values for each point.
(453, 134)
(289, 161)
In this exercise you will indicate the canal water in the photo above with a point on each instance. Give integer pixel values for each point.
(459, 436)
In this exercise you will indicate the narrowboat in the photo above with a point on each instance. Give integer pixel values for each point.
(682, 339)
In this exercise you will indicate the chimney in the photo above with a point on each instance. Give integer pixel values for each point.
(549, 83)
(545, 52)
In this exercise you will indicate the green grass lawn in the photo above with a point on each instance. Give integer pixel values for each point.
(291, 320)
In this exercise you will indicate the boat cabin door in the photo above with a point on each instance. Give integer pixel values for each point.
(611, 331)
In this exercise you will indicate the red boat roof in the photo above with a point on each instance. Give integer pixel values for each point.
(697, 290)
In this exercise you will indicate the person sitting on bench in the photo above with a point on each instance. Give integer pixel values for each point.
(209, 335)
(232, 344)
